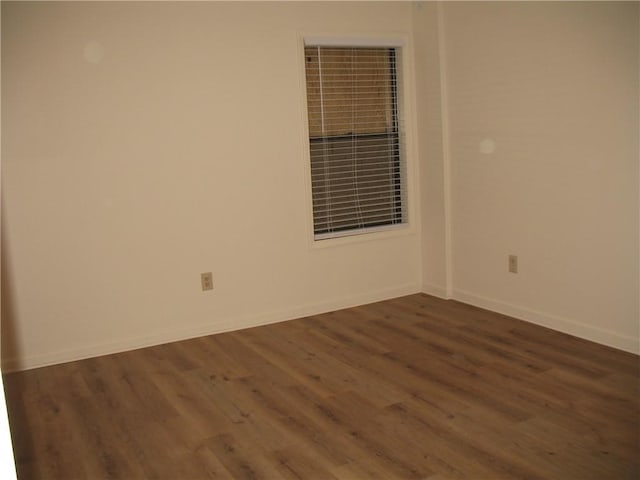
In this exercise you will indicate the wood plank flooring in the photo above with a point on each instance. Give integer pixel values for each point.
(411, 388)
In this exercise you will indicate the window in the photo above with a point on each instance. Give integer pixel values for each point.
(355, 139)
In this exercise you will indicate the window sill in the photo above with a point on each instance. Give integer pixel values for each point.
(371, 235)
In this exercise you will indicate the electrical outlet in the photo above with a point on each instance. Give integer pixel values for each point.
(207, 281)
(513, 263)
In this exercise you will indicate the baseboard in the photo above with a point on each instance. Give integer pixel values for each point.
(106, 348)
(572, 327)
(436, 291)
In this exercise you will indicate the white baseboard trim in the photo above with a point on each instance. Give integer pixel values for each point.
(436, 291)
(106, 348)
(572, 327)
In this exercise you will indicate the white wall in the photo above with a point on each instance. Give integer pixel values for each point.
(554, 85)
(7, 461)
(144, 143)
(434, 175)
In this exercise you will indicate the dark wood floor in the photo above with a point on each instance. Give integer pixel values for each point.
(411, 388)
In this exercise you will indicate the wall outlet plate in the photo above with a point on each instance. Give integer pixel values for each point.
(206, 279)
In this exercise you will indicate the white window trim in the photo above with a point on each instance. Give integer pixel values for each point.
(406, 102)
(354, 42)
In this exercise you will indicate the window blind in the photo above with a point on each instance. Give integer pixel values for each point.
(356, 152)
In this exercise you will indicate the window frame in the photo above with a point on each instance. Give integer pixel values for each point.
(405, 106)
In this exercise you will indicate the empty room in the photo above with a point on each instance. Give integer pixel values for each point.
(320, 240)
